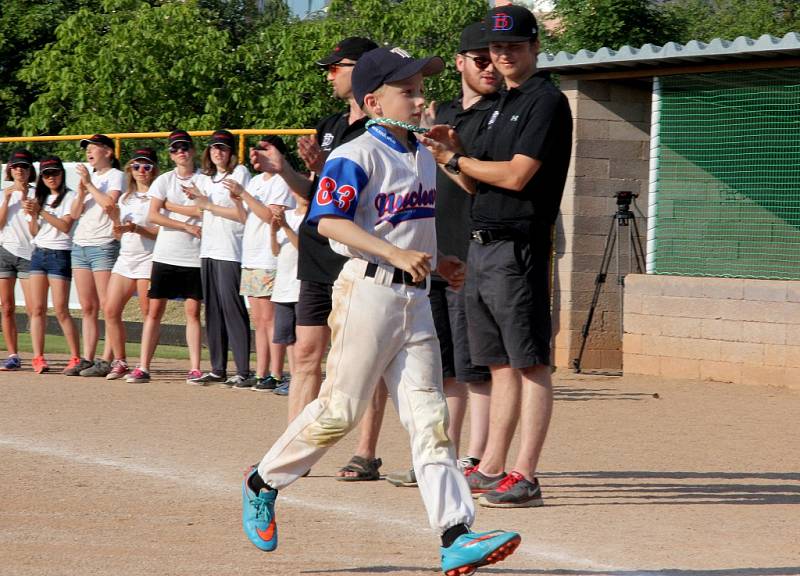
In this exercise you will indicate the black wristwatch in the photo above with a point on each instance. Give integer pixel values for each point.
(452, 164)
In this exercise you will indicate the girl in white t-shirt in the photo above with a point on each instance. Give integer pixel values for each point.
(227, 321)
(175, 273)
(94, 247)
(131, 272)
(51, 268)
(265, 196)
(16, 249)
(286, 291)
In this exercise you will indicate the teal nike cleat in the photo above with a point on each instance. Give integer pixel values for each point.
(258, 515)
(475, 549)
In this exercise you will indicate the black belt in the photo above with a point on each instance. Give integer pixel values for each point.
(398, 276)
(489, 236)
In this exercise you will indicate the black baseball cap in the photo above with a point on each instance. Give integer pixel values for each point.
(385, 65)
(510, 24)
(100, 139)
(473, 37)
(353, 48)
(223, 137)
(50, 164)
(177, 136)
(145, 153)
(20, 156)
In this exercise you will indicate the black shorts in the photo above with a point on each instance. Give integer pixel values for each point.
(314, 304)
(508, 303)
(283, 330)
(175, 282)
(449, 318)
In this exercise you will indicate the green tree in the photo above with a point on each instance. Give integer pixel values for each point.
(131, 67)
(26, 26)
(705, 20)
(136, 65)
(593, 24)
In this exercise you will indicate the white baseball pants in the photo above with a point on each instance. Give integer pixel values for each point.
(379, 329)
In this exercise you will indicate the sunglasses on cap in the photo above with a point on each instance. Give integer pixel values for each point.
(136, 166)
(220, 146)
(180, 147)
(481, 62)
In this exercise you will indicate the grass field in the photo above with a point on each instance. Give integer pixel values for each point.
(58, 345)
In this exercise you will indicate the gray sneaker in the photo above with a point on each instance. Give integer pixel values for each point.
(99, 368)
(244, 383)
(513, 492)
(236, 381)
(405, 479)
(480, 483)
(76, 368)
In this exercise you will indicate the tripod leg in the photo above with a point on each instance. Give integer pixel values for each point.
(611, 240)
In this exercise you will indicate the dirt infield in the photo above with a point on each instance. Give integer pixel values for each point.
(105, 478)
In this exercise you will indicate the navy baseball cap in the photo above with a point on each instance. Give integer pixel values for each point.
(223, 137)
(473, 37)
(100, 139)
(145, 153)
(20, 156)
(51, 164)
(510, 24)
(385, 65)
(177, 136)
(352, 48)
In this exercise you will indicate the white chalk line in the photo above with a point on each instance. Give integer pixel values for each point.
(206, 482)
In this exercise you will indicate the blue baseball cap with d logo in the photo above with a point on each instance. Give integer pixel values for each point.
(510, 24)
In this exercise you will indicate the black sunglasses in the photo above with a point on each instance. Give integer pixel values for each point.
(179, 147)
(147, 167)
(481, 62)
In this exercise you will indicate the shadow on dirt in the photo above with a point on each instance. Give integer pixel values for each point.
(645, 487)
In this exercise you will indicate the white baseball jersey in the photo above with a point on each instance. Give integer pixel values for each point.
(382, 187)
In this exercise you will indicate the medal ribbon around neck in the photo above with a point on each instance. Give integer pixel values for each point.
(397, 123)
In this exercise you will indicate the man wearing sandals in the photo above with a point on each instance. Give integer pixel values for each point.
(376, 201)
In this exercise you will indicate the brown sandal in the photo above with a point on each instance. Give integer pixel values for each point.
(364, 469)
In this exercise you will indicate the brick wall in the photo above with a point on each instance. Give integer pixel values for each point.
(611, 150)
(722, 329)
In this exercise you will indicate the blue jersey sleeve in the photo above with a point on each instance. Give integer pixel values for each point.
(338, 189)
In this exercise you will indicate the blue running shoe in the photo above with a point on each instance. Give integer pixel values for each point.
(475, 549)
(12, 363)
(258, 515)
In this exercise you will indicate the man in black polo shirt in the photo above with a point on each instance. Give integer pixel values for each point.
(318, 265)
(520, 176)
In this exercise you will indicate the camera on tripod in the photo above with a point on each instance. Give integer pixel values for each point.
(624, 199)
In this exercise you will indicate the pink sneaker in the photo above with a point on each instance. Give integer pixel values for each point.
(192, 376)
(138, 376)
(118, 370)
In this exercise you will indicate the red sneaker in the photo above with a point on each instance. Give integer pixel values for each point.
(40, 365)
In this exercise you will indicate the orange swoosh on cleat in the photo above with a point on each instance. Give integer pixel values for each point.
(480, 539)
(267, 534)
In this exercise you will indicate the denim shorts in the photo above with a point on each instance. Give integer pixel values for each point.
(12, 266)
(95, 258)
(52, 263)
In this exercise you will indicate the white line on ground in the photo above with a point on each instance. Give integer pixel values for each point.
(206, 482)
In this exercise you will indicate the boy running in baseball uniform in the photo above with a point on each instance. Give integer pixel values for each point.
(375, 201)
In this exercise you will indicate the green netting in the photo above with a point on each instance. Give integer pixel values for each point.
(728, 199)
